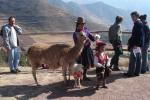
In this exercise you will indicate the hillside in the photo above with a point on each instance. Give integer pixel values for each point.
(97, 12)
(39, 16)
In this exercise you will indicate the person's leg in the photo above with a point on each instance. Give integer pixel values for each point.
(11, 59)
(113, 58)
(85, 75)
(138, 64)
(116, 61)
(132, 64)
(144, 59)
(16, 59)
(116, 58)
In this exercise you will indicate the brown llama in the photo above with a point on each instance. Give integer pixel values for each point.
(55, 56)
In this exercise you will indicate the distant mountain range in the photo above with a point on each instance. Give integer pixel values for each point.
(99, 12)
(39, 16)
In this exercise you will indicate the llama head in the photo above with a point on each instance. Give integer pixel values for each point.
(81, 37)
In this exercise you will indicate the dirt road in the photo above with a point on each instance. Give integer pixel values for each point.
(21, 87)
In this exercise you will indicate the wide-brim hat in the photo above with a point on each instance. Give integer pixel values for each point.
(100, 43)
(80, 20)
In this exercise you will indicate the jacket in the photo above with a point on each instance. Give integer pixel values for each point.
(6, 31)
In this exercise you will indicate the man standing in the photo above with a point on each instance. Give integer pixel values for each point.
(135, 44)
(146, 29)
(115, 38)
(10, 33)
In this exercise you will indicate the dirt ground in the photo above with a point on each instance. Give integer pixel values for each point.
(21, 86)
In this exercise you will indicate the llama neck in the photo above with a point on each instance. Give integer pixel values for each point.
(76, 50)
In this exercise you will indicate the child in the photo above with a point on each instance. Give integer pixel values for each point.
(101, 61)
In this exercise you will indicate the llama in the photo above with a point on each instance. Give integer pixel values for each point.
(55, 56)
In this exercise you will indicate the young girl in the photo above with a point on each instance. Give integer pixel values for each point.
(102, 63)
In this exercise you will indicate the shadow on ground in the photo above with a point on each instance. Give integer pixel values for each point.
(54, 91)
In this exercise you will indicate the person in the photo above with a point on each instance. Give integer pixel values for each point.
(10, 33)
(87, 57)
(102, 63)
(135, 43)
(146, 29)
(115, 38)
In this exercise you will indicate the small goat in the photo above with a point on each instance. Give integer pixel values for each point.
(77, 72)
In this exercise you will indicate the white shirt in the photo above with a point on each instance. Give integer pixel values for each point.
(13, 37)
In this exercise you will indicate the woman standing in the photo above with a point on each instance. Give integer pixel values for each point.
(87, 57)
(146, 44)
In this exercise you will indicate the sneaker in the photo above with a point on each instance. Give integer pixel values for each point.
(18, 70)
(115, 69)
(13, 71)
(128, 75)
(104, 87)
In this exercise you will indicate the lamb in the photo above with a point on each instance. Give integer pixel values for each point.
(55, 56)
(77, 72)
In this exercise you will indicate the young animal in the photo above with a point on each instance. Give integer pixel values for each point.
(55, 56)
(77, 72)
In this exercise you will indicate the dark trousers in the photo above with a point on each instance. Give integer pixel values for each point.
(134, 64)
(115, 58)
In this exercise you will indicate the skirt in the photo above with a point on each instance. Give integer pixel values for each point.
(86, 58)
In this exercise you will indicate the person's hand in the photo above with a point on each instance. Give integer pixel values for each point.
(22, 49)
(8, 49)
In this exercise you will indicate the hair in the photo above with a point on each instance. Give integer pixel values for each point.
(119, 19)
(11, 17)
(135, 13)
(77, 24)
(143, 17)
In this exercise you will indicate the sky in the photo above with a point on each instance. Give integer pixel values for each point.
(83, 1)
(143, 6)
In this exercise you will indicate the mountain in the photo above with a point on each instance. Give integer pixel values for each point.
(98, 12)
(39, 16)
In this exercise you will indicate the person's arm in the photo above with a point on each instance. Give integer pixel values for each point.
(5, 32)
(18, 29)
(119, 33)
(108, 61)
(90, 36)
(96, 63)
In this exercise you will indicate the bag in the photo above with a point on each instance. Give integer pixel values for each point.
(119, 50)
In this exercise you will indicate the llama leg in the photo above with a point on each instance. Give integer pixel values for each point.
(79, 82)
(75, 80)
(69, 73)
(64, 74)
(34, 75)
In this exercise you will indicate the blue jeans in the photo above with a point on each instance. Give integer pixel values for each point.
(134, 64)
(13, 58)
(145, 59)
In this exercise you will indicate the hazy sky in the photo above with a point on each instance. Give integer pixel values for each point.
(83, 1)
